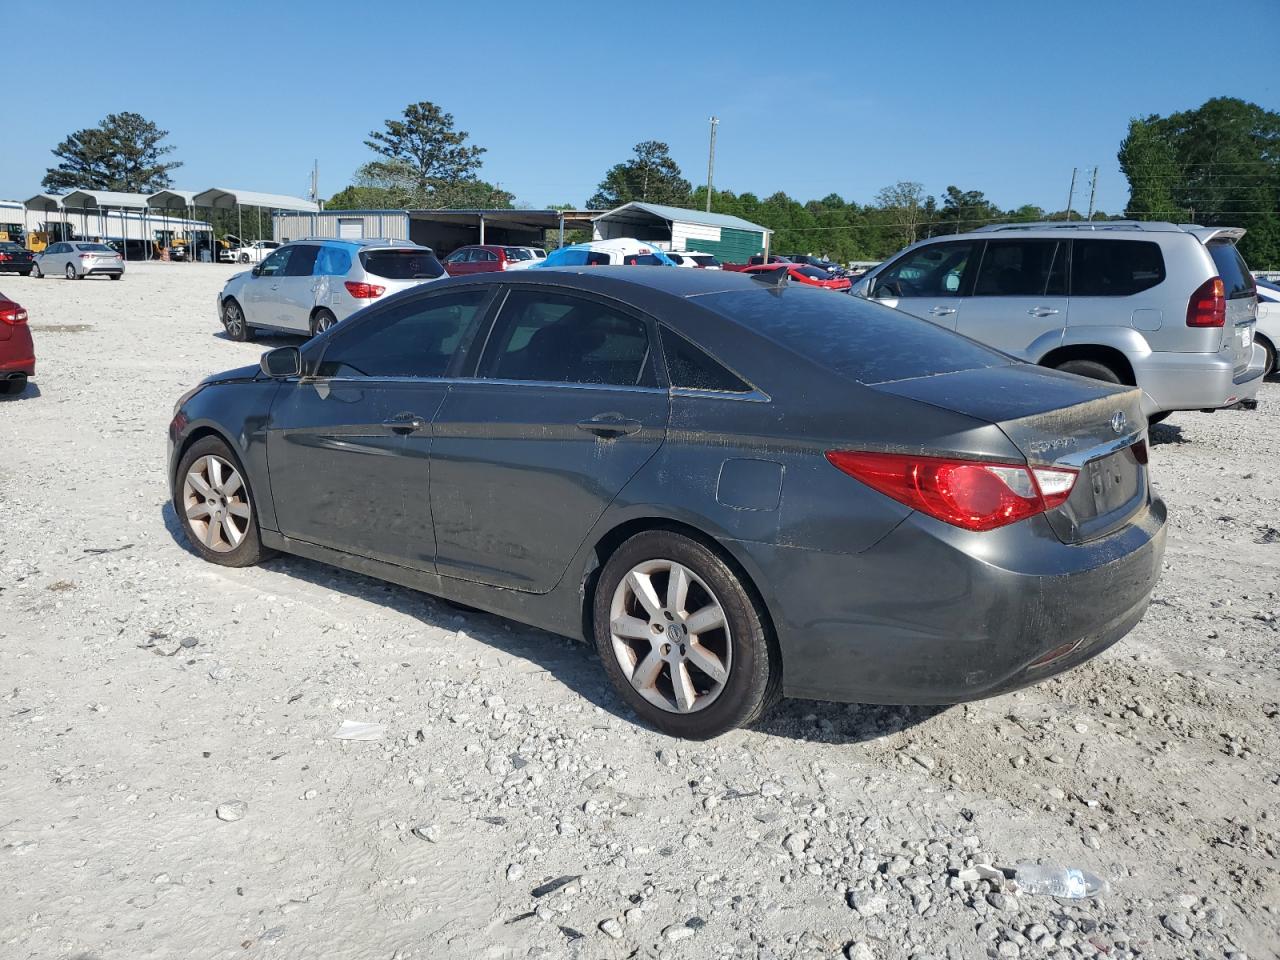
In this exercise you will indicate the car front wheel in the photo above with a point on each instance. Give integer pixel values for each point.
(215, 505)
(233, 320)
(682, 639)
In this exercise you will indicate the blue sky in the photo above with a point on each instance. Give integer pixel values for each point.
(1003, 97)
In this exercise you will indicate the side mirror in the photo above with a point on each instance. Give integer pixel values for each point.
(281, 363)
(257, 270)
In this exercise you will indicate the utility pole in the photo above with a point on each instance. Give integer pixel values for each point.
(1071, 195)
(1093, 190)
(315, 181)
(711, 161)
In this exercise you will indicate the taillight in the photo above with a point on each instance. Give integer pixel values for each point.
(4, 257)
(364, 291)
(12, 314)
(86, 256)
(965, 493)
(1208, 306)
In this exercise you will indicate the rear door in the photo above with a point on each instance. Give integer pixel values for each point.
(526, 457)
(1242, 301)
(459, 263)
(929, 282)
(1019, 300)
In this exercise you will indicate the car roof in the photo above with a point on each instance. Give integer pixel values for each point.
(365, 243)
(1057, 227)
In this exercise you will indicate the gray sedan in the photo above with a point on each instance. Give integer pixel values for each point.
(736, 489)
(77, 259)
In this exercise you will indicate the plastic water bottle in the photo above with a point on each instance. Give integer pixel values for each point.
(1069, 883)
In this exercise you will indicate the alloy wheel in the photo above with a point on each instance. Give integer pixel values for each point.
(216, 504)
(671, 637)
(233, 318)
(71, 272)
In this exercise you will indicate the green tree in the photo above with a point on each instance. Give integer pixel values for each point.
(651, 175)
(362, 198)
(397, 184)
(902, 201)
(425, 147)
(966, 210)
(1148, 163)
(124, 152)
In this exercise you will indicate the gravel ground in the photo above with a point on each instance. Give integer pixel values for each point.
(171, 786)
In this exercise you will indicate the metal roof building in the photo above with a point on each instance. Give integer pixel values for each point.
(732, 239)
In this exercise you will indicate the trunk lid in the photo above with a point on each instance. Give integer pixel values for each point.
(1057, 419)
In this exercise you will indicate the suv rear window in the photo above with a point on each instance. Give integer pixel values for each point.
(1232, 269)
(706, 261)
(851, 337)
(401, 264)
(1115, 268)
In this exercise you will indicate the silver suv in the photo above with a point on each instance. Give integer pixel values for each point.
(309, 285)
(1168, 308)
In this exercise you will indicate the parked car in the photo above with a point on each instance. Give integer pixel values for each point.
(488, 259)
(1167, 308)
(1268, 332)
(803, 273)
(619, 251)
(736, 490)
(77, 259)
(17, 352)
(753, 261)
(310, 285)
(694, 259)
(15, 258)
(254, 252)
(822, 264)
(538, 252)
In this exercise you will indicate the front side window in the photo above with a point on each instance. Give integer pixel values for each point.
(554, 338)
(414, 339)
(276, 264)
(937, 270)
(458, 256)
(301, 261)
(1022, 268)
(1115, 268)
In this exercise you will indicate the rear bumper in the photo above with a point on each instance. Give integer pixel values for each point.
(1195, 381)
(932, 615)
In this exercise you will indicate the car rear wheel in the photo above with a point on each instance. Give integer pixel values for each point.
(215, 505)
(233, 320)
(117, 276)
(1160, 417)
(71, 272)
(1268, 358)
(682, 639)
(1091, 369)
(244, 258)
(321, 321)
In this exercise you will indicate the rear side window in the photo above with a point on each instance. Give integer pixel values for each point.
(554, 338)
(1232, 269)
(415, 339)
(1115, 268)
(302, 261)
(851, 337)
(333, 262)
(401, 264)
(1022, 268)
(691, 368)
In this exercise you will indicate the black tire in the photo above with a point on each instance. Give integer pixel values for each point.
(244, 258)
(71, 273)
(1160, 417)
(1268, 358)
(117, 276)
(25, 273)
(13, 387)
(322, 320)
(234, 321)
(754, 680)
(35, 271)
(1091, 369)
(249, 550)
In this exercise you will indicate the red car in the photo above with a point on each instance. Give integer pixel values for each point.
(487, 259)
(17, 353)
(803, 273)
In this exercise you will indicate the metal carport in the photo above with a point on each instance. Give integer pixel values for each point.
(103, 201)
(224, 198)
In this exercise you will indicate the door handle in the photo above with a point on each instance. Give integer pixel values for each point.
(610, 425)
(405, 423)
(942, 311)
(1042, 312)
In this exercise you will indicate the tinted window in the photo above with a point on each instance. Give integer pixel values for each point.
(415, 339)
(8, 247)
(689, 367)
(642, 260)
(517, 253)
(301, 261)
(937, 270)
(276, 264)
(96, 247)
(594, 258)
(813, 273)
(458, 256)
(1022, 268)
(563, 339)
(851, 337)
(333, 262)
(402, 264)
(1231, 268)
(1114, 268)
(486, 255)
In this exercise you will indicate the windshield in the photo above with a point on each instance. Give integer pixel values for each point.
(401, 264)
(851, 337)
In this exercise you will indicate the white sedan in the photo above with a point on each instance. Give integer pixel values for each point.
(1267, 333)
(254, 252)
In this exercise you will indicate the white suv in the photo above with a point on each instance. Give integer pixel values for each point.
(308, 286)
(1168, 308)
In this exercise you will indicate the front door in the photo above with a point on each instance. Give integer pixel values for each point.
(929, 282)
(1019, 299)
(525, 458)
(348, 448)
(296, 289)
(262, 290)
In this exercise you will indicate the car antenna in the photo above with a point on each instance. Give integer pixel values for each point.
(778, 277)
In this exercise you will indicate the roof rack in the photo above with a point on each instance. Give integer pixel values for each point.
(368, 241)
(1148, 226)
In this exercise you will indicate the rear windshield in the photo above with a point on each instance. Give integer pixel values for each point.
(8, 247)
(852, 337)
(401, 264)
(814, 273)
(1231, 268)
(706, 261)
(95, 246)
(518, 253)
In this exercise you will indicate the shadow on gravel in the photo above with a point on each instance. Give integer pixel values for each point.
(267, 340)
(1161, 433)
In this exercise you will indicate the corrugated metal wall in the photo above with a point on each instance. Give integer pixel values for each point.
(392, 224)
(734, 246)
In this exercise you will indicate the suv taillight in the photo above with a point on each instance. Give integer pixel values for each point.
(364, 291)
(1208, 306)
(12, 314)
(972, 494)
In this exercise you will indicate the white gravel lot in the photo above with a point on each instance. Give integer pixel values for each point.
(141, 688)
